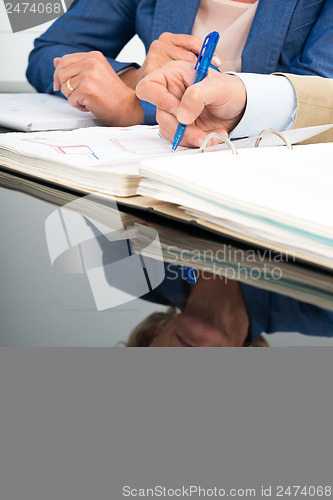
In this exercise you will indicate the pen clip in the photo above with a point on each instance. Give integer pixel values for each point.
(207, 50)
(203, 48)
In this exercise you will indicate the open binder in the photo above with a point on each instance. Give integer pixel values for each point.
(278, 198)
(164, 191)
(105, 159)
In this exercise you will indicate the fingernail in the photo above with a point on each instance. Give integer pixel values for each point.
(216, 61)
(185, 116)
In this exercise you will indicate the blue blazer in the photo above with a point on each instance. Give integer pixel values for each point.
(292, 36)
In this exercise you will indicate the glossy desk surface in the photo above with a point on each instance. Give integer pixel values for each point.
(76, 275)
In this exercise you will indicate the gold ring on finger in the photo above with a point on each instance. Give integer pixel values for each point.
(68, 83)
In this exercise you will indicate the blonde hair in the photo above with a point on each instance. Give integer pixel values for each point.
(145, 332)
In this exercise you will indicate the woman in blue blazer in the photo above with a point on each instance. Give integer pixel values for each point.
(293, 36)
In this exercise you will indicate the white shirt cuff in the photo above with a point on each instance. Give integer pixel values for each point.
(127, 68)
(271, 103)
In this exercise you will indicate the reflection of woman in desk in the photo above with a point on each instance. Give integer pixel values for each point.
(205, 321)
(225, 313)
(214, 312)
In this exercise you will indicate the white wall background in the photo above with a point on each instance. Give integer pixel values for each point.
(15, 49)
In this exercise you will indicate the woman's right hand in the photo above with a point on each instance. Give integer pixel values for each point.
(216, 104)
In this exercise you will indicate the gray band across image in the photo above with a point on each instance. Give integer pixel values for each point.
(29, 14)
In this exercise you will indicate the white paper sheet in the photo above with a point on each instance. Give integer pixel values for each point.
(34, 112)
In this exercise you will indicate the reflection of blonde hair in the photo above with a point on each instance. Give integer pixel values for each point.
(144, 333)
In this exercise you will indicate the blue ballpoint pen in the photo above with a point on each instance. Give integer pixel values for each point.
(202, 66)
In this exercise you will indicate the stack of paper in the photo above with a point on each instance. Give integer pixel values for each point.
(271, 194)
(99, 159)
(103, 159)
(33, 112)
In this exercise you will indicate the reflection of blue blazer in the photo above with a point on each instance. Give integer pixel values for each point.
(294, 36)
